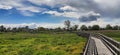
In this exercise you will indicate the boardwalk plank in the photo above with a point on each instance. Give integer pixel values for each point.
(101, 48)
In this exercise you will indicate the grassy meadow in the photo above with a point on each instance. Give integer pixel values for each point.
(41, 44)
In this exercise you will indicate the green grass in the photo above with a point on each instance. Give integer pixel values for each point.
(41, 44)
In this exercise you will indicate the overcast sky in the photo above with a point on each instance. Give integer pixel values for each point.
(52, 13)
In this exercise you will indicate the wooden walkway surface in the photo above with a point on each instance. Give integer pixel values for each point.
(101, 48)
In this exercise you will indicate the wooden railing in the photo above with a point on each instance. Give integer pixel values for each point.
(111, 44)
(90, 48)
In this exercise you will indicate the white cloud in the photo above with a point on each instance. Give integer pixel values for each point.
(70, 8)
(64, 14)
(71, 14)
(107, 8)
(35, 25)
(65, 8)
(53, 13)
(92, 13)
(53, 25)
(26, 13)
(5, 7)
(11, 3)
(30, 8)
(19, 5)
(108, 3)
(100, 22)
(51, 3)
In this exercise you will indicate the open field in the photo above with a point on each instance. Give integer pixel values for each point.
(41, 44)
(115, 34)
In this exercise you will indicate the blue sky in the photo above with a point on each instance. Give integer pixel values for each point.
(14, 16)
(52, 13)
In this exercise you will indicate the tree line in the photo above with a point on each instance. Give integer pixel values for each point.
(97, 27)
(94, 27)
(68, 27)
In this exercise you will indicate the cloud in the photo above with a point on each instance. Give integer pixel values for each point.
(11, 3)
(35, 25)
(20, 6)
(64, 14)
(5, 7)
(108, 3)
(91, 16)
(30, 8)
(31, 25)
(68, 8)
(26, 13)
(100, 22)
(107, 8)
(51, 3)
(53, 13)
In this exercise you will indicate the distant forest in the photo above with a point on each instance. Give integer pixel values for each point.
(67, 27)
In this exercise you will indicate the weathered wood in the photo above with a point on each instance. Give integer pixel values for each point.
(99, 44)
(101, 48)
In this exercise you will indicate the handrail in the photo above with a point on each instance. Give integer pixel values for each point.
(90, 48)
(111, 44)
(86, 47)
(111, 40)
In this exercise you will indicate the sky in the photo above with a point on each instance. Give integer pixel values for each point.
(53, 13)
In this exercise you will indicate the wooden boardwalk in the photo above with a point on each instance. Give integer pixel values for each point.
(101, 48)
(99, 44)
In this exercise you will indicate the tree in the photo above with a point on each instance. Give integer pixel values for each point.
(67, 23)
(95, 27)
(89, 27)
(108, 27)
(41, 29)
(14, 29)
(58, 29)
(8, 29)
(83, 27)
(116, 27)
(75, 27)
(119, 28)
(26, 28)
(2, 29)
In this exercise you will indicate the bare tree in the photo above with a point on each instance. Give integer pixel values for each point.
(67, 23)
